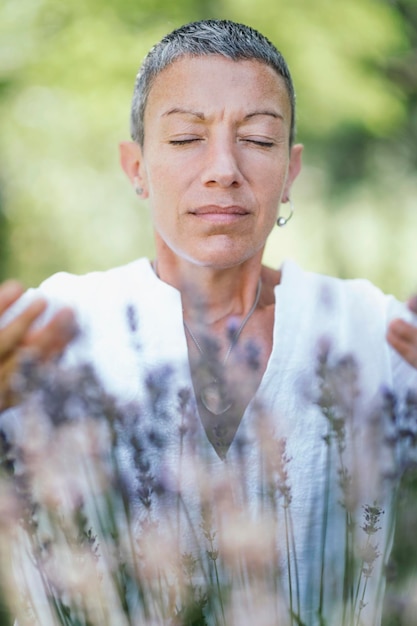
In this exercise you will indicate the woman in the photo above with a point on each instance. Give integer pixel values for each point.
(213, 152)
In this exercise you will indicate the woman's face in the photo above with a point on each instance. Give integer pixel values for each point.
(216, 161)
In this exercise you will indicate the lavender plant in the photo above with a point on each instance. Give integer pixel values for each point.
(110, 515)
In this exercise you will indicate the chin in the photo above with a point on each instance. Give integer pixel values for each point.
(217, 252)
(222, 259)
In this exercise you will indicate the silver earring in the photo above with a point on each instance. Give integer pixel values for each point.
(138, 189)
(283, 221)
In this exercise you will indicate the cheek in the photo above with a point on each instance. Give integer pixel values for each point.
(270, 177)
(272, 192)
(165, 177)
(160, 190)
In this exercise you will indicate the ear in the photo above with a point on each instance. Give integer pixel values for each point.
(131, 160)
(294, 168)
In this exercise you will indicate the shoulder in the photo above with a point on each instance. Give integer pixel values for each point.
(99, 298)
(66, 287)
(352, 313)
(355, 297)
(103, 301)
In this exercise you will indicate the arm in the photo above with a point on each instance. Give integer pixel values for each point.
(402, 336)
(19, 336)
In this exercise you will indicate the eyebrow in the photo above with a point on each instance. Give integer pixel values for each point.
(201, 116)
(180, 111)
(269, 112)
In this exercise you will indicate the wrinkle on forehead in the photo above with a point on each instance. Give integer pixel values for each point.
(200, 115)
(206, 88)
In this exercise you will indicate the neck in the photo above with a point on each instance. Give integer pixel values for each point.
(210, 295)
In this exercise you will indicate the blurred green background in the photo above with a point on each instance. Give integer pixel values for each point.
(66, 77)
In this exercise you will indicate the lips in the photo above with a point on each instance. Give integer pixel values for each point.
(214, 209)
(220, 216)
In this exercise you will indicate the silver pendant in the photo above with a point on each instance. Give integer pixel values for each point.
(213, 398)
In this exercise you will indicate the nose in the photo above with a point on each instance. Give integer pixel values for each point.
(221, 167)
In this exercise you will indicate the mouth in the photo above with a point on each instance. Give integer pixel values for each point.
(220, 214)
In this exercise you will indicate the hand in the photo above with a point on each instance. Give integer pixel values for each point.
(403, 336)
(18, 338)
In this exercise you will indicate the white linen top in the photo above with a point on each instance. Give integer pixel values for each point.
(314, 315)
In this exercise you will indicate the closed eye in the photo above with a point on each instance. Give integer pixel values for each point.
(258, 142)
(183, 142)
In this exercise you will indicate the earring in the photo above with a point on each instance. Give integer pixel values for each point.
(283, 221)
(137, 187)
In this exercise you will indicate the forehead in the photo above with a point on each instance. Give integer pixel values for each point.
(214, 83)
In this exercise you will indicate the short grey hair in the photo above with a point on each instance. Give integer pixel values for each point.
(206, 37)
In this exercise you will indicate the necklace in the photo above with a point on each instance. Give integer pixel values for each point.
(213, 395)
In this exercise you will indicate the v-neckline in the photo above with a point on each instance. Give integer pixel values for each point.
(222, 431)
(217, 449)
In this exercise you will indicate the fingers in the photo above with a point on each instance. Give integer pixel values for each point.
(402, 336)
(13, 334)
(19, 337)
(50, 340)
(412, 304)
(10, 291)
(8, 368)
